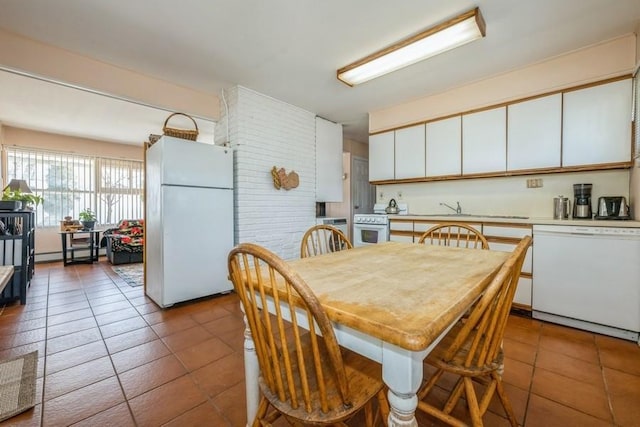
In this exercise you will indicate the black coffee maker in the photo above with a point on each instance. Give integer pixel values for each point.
(582, 201)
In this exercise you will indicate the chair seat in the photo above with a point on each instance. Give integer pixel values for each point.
(458, 364)
(365, 382)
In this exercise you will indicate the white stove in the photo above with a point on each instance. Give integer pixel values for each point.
(369, 229)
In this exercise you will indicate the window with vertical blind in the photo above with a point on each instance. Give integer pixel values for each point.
(70, 183)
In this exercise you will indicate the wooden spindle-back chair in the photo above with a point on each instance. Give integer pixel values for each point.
(304, 374)
(473, 349)
(322, 239)
(456, 235)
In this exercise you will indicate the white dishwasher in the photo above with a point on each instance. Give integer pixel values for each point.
(588, 278)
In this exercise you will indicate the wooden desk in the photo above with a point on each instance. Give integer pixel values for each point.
(81, 240)
(392, 303)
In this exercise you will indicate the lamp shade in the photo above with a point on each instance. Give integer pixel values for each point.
(18, 185)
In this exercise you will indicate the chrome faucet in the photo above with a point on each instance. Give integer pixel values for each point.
(457, 209)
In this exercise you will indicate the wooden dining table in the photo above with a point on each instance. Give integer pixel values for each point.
(391, 302)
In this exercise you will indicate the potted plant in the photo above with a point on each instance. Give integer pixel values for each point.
(88, 219)
(29, 200)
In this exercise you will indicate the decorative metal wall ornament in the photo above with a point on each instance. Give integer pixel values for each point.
(282, 179)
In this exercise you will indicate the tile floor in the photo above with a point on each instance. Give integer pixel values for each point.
(110, 356)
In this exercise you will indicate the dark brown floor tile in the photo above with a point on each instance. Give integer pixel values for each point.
(75, 339)
(220, 375)
(166, 402)
(117, 416)
(517, 373)
(28, 314)
(232, 404)
(151, 375)
(71, 327)
(139, 355)
(581, 396)
(22, 338)
(519, 351)
(225, 324)
(9, 328)
(69, 317)
(66, 308)
(571, 334)
(142, 300)
(234, 340)
(624, 358)
(101, 292)
(147, 308)
(76, 377)
(203, 415)
(210, 313)
(82, 403)
(106, 300)
(547, 413)
(204, 353)
(186, 338)
(110, 307)
(570, 367)
(158, 316)
(130, 339)
(75, 356)
(122, 326)
(624, 394)
(583, 350)
(116, 316)
(521, 334)
(173, 325)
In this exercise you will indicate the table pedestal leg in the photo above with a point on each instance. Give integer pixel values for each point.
(402, 373)
(402, 410)
(251, 372)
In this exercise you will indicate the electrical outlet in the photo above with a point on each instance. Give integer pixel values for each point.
(534, 182)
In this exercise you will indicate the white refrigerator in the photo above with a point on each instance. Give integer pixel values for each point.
(189, 220)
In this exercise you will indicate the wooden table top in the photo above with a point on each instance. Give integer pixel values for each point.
(403, 293)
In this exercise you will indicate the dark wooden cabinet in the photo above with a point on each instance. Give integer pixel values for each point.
(17, 248)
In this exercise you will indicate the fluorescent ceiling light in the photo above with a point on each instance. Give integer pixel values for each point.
(460, 30)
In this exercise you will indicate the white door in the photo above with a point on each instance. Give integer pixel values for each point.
(362, 193)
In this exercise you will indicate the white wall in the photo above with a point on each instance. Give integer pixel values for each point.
(504, 196)
(265, 132)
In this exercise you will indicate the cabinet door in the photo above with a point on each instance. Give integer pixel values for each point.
(596, 124)
(444, 147)
(533, 133)
(409, 152)
(381, 156)
(328, 161)
(484, 141)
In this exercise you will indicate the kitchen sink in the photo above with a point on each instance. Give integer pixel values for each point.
(463, 215)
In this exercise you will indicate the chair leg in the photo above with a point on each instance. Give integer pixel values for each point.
(426, 388)
(368, 414)
(261, 412)
(472, 402)
(454, 397)
(383, 406)
(504, 399)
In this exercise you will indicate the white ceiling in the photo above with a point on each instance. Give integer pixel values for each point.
(291, 49)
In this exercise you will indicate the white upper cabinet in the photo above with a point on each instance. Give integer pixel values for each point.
(328, 161)
(444, 147)
(381, 156)
(533, 133)
(409, 150)
(484, 141)
(597, 124)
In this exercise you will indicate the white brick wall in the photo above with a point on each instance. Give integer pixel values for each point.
(265, 132)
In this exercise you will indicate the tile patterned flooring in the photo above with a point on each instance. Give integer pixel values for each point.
(110, 356)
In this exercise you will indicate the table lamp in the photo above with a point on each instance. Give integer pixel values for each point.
(18, 185)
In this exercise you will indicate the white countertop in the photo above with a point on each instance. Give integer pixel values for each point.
(531, 220)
